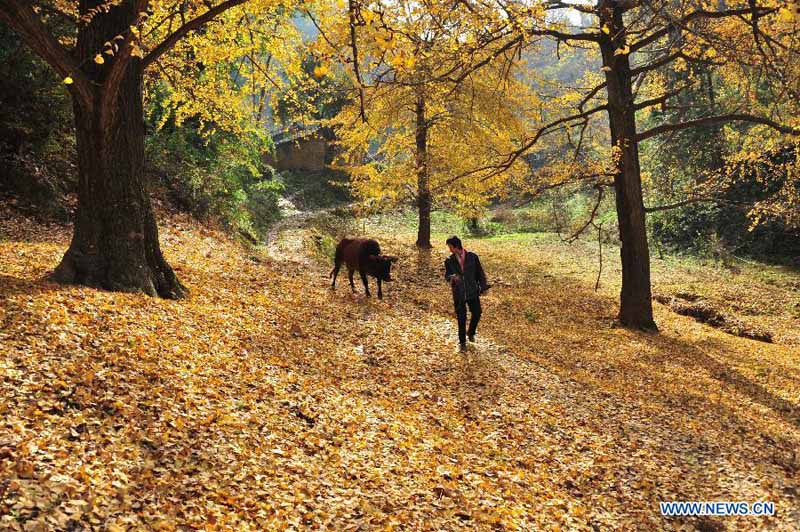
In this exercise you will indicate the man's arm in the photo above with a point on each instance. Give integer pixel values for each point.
(449, 271)
(481, 274)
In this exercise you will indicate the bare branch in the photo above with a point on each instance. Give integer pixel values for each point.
(592, 216)
(708, 120)
(695, 15)
(660, 100)
(679, 204)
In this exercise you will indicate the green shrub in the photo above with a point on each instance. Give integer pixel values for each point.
(538, 218)
(479, 227)
(219, 176)
(703, 227)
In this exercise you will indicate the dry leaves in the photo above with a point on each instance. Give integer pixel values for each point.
(266, 401)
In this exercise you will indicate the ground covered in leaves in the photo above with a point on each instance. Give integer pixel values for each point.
(266, 401)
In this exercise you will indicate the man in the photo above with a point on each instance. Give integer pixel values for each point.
(468, 281)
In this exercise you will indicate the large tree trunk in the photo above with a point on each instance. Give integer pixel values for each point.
(115, 242)
(423, 184)
(636, 306)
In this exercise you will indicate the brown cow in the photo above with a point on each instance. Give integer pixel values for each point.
(364, 255)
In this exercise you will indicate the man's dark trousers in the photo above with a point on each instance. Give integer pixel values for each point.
(475, 316)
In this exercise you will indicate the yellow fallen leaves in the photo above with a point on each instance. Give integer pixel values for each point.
(211, 414)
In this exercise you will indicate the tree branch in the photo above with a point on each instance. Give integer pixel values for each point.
(708, 120)
(592, 216)
(660, 99)
(193, 25)
(699, 14)
(20, 17)
(678, 204)
(511, 158)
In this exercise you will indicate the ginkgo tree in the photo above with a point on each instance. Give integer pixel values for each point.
(439, 92)
(102, 62)
(419, 138)
(636, 40)
(763, 74)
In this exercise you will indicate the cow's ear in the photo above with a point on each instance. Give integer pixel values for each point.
(391, 258)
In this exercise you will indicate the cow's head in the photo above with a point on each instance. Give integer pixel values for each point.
(383, 266)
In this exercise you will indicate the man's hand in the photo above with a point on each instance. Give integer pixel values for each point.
(455, 279)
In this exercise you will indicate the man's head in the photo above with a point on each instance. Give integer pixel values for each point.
(454, 244)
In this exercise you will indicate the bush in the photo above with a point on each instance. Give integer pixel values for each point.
(504, 216)
(551, 213)
(537, 219)
(218, 176)
(327, 229)
(687, 229)
(704, 227)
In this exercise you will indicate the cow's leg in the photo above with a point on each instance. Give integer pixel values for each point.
(364, 280)
(350, 276)
(380, 291)
(335, 272)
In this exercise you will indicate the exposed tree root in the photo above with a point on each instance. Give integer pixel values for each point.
(693, 306)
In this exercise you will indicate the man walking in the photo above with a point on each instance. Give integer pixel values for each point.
(468, 281)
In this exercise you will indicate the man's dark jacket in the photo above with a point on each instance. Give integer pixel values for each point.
(473, 279)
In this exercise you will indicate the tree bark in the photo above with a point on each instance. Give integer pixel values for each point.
(423, 182)
(636, 306)
(115, 241)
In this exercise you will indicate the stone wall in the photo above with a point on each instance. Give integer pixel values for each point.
(301, 154)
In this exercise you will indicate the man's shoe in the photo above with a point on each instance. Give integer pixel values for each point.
(462, 347)
(472, 338)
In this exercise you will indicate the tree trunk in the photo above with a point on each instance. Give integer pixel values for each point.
(115, 242)
(636, 306)
(423, 184)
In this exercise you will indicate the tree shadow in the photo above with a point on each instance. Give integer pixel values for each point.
(423, 262)
(694, 356)
(11, 286)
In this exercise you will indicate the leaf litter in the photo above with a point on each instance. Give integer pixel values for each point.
(266, 401)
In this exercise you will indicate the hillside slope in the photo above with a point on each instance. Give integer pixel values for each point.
(266, 401)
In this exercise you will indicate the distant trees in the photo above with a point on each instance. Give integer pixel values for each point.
(638, 43)
(36, 151)
(442, 105)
